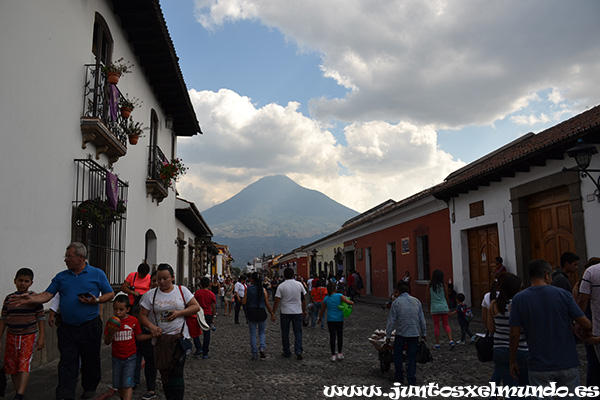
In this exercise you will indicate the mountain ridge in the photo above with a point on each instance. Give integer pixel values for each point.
(274, 212)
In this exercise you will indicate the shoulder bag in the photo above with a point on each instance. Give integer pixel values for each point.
(485, 348)
(258, 313)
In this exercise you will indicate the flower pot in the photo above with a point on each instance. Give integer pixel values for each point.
(125, 112)
(113, 77)
(133, 139)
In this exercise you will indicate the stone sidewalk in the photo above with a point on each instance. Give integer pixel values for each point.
(229, 372)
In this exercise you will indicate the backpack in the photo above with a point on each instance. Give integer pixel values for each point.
(468, 314)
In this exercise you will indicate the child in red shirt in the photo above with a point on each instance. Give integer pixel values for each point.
(208, 301)
(123, 346)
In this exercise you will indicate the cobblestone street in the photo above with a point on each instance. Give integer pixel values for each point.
(229, 372)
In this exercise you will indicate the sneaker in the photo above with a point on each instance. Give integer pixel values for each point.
(262, 354)
(197, 353)
(333, 358)
(204, 357)
(461, 342)
(299, 357)
(285, 355)
(149, 396)
(437, 346)
(473, 338)
(254, 357)
(88, 394)
(340, 356)
(452, 344)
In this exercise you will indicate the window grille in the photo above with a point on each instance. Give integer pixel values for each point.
(97, 226)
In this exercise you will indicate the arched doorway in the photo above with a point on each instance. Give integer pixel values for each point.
(151, 245)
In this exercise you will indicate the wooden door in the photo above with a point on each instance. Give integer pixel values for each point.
(551, 227)
(483, 250)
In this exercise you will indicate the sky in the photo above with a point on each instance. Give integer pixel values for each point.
(367, 100)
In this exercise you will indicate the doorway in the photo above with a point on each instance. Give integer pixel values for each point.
(483, 250)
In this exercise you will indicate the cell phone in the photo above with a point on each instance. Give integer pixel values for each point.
(87, 295)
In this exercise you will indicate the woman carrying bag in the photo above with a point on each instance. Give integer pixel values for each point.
(335, 319)
(163, 311)
(256, 299)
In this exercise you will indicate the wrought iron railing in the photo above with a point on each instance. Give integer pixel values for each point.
(101, 230)
(96, 102)
(155, 163)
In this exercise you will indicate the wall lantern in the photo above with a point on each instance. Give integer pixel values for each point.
(582, 153)
(169, 122)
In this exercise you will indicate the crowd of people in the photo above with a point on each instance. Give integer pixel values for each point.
(534, 329)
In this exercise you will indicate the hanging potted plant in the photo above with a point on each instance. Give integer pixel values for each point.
(115, 69)
(171, 171)
(96, 212)
(134, 131)
(127, 106)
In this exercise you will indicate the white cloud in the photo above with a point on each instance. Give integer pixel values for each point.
(445, 63)
(242, 143)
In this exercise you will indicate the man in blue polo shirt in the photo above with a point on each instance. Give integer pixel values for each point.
(80, 331)
(546, 314)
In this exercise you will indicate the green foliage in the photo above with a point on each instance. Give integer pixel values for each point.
(119, 66)
(98, 212)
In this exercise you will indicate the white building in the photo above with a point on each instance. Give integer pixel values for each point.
(60, 142)
(517, 203)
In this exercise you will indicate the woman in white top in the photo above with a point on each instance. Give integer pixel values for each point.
(163, 311)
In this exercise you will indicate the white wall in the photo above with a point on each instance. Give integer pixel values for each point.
(498, 209)
(45, 46)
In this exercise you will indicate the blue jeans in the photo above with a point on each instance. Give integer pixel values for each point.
(501, 364)
(296, 320)
(122, 373)
(411, 352)
(205, 336)
(315, 315)
(564, 377)
(261, 335)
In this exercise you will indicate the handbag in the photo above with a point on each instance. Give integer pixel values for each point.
(485, 348)
(423, 354)
(195, 321)
(346, 309)
(257, 314)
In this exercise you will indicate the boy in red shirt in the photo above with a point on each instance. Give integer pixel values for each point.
(208, 301)
(123, 346)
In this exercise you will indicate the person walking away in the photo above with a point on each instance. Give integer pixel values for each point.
(80, 330)
(123, 338)
(163, 311)
(256, 298)
(239, 291)
(407, 319)
(290, 294)
(546, 314)
(318, 293)
(215, 287)
(498, 317)
(25, 326)
(438, 307)
(335, 319)
(208, 301)
(463, 322)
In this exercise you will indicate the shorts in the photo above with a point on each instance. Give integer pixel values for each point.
(18, 353)
(123, 371)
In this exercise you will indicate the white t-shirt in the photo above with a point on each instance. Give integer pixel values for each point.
(240, 288)
(290, 294)
(486, 302)
(590, 284)
(167, 302)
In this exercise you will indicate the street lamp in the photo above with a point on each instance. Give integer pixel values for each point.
(582, 153)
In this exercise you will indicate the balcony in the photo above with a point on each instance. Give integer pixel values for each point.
(100, 125)
(154, 184)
